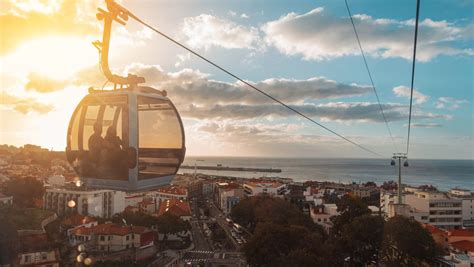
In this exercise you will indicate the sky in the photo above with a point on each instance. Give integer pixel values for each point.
(304, 53)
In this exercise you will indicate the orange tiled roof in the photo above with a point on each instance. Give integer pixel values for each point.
(433, 229)
(464, 245)
(114, 229)
(172, 189)
(83, 231)
(176, 207)
(461, 232)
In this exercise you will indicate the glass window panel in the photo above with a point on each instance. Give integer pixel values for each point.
(74, 134)
(160, 138)
(91, 117)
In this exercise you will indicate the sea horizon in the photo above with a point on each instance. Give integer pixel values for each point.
(443, 174)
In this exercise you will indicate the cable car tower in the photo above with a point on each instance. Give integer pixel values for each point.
(130, 138)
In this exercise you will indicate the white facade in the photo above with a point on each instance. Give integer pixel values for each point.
(265, 188)
(99, 203)
(467, 199)
(443, 211)
(6, 200)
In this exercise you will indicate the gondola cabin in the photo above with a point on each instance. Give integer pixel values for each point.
(128, 139)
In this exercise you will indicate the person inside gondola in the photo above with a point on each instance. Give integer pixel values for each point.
(114, 152)
(96, 145)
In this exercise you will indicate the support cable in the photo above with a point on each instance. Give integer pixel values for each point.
(370, 76)
(250, 85)
(413, 71)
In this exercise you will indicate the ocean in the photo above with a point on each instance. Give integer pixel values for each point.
(444, 174)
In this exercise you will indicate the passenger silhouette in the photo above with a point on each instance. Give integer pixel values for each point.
(114, 153)
(96, 145)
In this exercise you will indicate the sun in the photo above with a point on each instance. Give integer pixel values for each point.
(56, 57)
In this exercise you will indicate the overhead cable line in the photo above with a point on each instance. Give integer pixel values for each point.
(413, 71)
(250, 85)
(370, 76)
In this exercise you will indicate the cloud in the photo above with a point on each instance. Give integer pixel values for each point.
(425, 125)
(450, 103)
(335, 111)
(403, 91)
(244, 16)
(318, 35)
(192, 86)
(206, 31)
(24, 105)
(43, 84)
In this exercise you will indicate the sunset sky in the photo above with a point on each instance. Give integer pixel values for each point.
(305, 54)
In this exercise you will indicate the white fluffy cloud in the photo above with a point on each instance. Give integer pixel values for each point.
(320, 35)
(450, 102)
(403, 91)
(206, 31)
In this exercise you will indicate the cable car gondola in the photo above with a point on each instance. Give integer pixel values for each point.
(130, 138)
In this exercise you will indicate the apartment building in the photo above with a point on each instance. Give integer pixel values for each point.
(110, 237)
(98, 203)
(443, 211)
(227, 195)
(467, 199)
(169, 192)
(255, 188)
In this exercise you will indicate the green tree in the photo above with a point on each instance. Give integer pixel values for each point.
(24, 191)
(171, 224)
(407, 243)
(349, 207)
(280, 245)
(264, 209)
(138, 218)
(361, 239)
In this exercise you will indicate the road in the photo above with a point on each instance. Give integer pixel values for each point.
(220, 219)
(199, 239)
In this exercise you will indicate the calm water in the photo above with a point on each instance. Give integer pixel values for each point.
(443, 174)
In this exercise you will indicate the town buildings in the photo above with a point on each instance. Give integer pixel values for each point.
(256, 188)
(109, 237)
(227, 195)
(99, 203)
(6, 200)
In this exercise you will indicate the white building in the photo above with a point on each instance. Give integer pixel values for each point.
(321, 214)
(169, 192)
(435, 208)
(99, 203)
(254, 188)
(227, 195)
(6, 200)
(467, 199)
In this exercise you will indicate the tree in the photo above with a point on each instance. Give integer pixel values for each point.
(279, 245)
(349, 207)
(138, 218)
(171, 224)
(407, 243)
(264, 209)
(361, 239)
(24, 191)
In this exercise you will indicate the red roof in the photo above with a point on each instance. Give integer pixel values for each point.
(173, 189)
(464, 245)
(176, 207)
(83, 231)
(461, 232)
(114, 229)
(434, 230)
(34, 242)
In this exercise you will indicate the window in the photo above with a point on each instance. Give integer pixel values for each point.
(160, 138)
(98, 138)
(102, 238)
